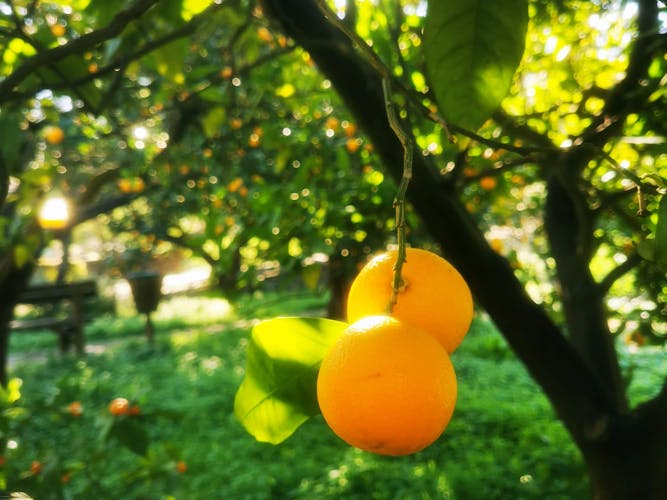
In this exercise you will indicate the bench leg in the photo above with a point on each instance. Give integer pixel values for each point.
(64, 340)
(79, 341)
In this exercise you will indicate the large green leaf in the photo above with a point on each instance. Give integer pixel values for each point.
(279, 392)
(472, 50)
(661, 235)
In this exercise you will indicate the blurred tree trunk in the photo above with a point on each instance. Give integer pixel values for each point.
(625, 451)
(338, 280)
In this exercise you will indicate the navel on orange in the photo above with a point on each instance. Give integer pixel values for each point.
(434, 297)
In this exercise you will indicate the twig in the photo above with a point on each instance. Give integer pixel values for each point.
(399, 200)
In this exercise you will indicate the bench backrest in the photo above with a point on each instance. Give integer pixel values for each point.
(49, 292)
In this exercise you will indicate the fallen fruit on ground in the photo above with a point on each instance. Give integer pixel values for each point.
(119, 406)
(434, 296)
(387, 387)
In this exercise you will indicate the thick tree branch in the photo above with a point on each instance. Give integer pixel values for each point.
(581, 296)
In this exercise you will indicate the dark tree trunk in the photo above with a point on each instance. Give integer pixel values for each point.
(625, 451)
(338, 281)
(568, 224)
(629, 461)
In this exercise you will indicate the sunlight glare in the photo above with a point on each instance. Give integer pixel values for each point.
(54, 213)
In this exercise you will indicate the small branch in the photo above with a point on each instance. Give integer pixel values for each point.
(608, 281)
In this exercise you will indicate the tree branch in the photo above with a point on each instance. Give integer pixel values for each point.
(76, 46)
(612, 276)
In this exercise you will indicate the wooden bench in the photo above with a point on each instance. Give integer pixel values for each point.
(70, 327)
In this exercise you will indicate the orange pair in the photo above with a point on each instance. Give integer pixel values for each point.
(388, 385)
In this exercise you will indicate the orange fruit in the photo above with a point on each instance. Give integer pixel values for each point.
(434, 296)
(264, 34)
(58, 30)
(181, 467)
(352, 145)
(235, 184)
(350, 129)
(119, 406)
(332, 123)
(226, 72)
(75, 409)
(54, 135)
(488, 183)
(36, 467)
(386, 387)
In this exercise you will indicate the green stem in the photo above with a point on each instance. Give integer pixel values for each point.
(405, 138)
(399, 200)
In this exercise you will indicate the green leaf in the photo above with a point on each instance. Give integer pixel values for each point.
(661, 235)
(213, 121)
(472, 50)
(283, 358)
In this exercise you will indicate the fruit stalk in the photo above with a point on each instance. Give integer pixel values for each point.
(399, 199)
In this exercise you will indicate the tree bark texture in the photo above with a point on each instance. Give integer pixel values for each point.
(621, 448)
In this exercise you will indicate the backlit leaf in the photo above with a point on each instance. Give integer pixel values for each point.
(278, 392)
(472, 50)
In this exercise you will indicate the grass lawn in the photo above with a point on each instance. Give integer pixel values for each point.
(503, 441)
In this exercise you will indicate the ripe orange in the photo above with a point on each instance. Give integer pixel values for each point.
(54, 135)
(264, 34)
(58, 29)
(352, 145)
(119, 406)
(488, 183)
(75, 409)
(181, 467)
(350, 129)
(435, 297)
(386, 387)
(226, 72)
(36, 467)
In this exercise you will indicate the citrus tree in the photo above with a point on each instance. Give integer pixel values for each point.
(576, 149)
(539, 163)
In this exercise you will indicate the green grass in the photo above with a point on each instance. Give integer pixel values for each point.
(503, 441)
